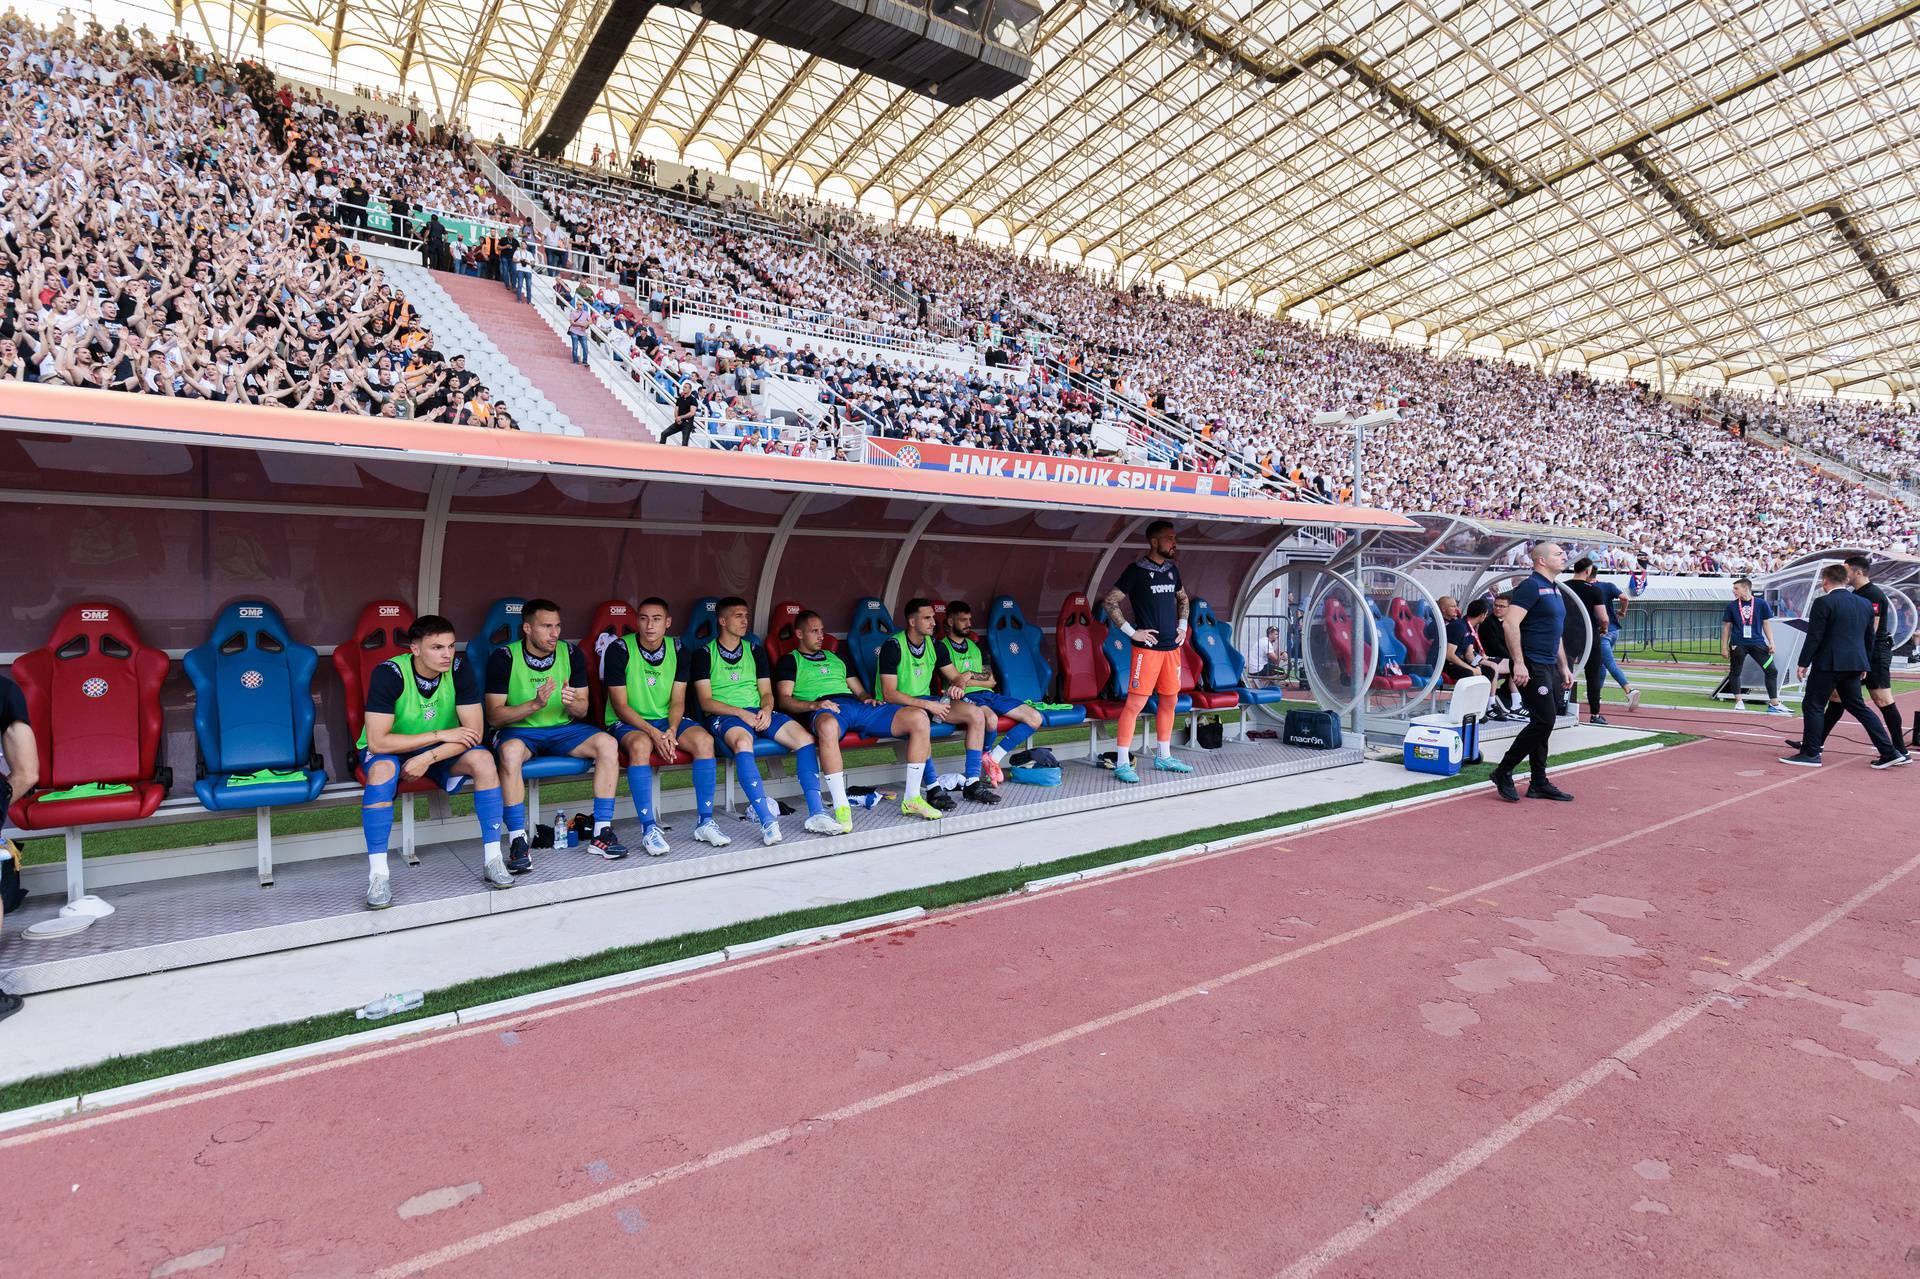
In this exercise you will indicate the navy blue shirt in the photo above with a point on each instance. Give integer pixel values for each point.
(383, 686)
(1546, 619)
(1746, 627)
(1152, 592)
(1461, 636)
(1610, 596)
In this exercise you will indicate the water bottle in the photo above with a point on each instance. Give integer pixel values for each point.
(388, 1005)
(562, 830)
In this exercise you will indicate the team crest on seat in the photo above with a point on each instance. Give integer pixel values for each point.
(95, 687)
(252, 679)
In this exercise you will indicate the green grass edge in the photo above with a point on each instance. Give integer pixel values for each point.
(119, 1071)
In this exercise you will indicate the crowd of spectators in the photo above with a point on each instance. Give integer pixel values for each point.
(157, 236)
(1873, 437)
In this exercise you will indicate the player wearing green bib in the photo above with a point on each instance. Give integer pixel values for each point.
(910, 675)
(734, 682)
(423, 720)
(537, 700)
(646, 678)
(815, 687)
(964, 661)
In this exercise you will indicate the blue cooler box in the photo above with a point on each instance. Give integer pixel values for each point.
(1436, 748)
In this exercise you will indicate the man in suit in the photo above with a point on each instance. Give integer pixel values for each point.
(1833, 660)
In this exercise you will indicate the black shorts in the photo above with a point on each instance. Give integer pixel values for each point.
(1880, 672)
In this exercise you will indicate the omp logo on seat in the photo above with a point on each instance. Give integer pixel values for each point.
(93, 614)
(618, 610)
(253, 612)
(95, 687)
(513, 610)
(252, 679)
(389, 610)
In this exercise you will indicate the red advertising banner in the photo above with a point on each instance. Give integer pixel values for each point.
(928, 455)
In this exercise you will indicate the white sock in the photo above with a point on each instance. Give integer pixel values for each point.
(837, 787)
(915, 768)
(492, 852)
(1122, 757)
(515, 834)
(1164, 749)
(998, 754)
(376, 864)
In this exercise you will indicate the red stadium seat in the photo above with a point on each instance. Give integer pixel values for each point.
(93, 699)
(1412, 632)
(612, 621)
(378, 634)
(1077, 638)
(780, 639)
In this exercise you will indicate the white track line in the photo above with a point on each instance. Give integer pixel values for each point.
(428, 1040)
(571, 1209)
(1361, 1232)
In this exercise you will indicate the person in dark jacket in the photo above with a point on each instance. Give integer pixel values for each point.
(1834, 659)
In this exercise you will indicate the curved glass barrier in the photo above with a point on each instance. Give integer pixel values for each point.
(1412, 643)
(1578, 635)
(1339, 625)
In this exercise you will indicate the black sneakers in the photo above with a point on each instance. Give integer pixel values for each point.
(606, 844)
(980, 791)
(1894, 760)
(519, 858)
(1503, 787)
(1544, 789)
(939, 798)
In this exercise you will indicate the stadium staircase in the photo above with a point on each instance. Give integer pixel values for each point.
(540, 358)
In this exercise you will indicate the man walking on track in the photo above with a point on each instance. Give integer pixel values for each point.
(1151, 588)
(1746, 630)
(1536, 618)
(1833, 661)
(1879, 681)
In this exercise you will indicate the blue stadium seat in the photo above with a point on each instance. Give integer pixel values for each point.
(871, 627)
(1223, 667)
(1119, 653)
(1019, 656)
(1390, 664)
(702, 626)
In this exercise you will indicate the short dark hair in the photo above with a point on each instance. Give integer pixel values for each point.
(1158, 527)
(805, 615)
(538, 605)
(959, 606)
(1582, 564)
(1478, 608)
(651, 600)
(1743, 581)
(1504, 597)
(1859, 562)
(1835, 573)
(914, 605)
(727, 602)
(431, 624)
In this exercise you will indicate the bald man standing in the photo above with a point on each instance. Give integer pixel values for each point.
(1536, 617)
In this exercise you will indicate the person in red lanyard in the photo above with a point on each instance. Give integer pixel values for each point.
(1746, 630)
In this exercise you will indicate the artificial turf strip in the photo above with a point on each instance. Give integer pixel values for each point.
(1653, 698)
(118, 1071)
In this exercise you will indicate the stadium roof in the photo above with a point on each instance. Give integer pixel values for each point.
(1731, 186)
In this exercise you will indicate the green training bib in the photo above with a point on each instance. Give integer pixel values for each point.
(735, 683)
(969, 660)
(523, 682)
(823, 675)
(649, 687)
(915, 673)
(414, 714)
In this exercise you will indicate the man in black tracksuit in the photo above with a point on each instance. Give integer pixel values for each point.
(1833, 661)
(1535, 624)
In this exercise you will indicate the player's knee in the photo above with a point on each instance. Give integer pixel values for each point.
(700, 743)
(480, 764)
(381, 771)
(513, 753)
(826, 726)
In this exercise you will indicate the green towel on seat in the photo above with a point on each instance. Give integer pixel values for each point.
(1051, 706)
(87, 790)
(266, 777)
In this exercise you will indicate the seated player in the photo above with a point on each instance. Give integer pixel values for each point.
(536, 699)
(646, 680)
(423, 720)
(734, 682)
(964, 663)
(815, 687)
(908, 665)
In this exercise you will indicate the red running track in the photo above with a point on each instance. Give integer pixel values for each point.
(1670, 1029)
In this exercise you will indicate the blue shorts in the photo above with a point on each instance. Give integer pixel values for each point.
(620, 728)
(857, 717)
(553, 739)
(998, 703)
(440, 773)
(719, 724)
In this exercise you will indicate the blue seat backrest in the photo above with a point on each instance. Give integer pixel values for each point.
(253, 692)
(1432, 624)
(1118, 650)
(871, 627)
(1211, 642)
(703, 625)
(1391, 649)
(1019, 651)
(501, 628)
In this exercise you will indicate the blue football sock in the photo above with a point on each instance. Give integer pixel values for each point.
(376, 812)
(973, 765)
(806, 762)
(514, 819)
(602, 813)
(1016, 735)
(640, 786)
(705, 773)
(749, 774)
(931, 775)
(486, 810)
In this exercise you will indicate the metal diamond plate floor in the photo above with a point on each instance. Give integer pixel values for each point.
(206, 918)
